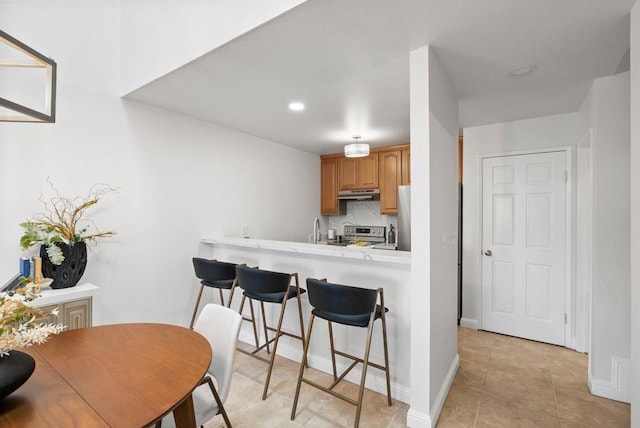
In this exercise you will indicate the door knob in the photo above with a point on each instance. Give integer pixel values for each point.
(488, 253)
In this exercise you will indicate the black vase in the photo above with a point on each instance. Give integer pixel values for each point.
(15, 369)
(72, 268)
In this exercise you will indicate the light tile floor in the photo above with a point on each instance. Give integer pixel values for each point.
(502, 382)
(509, 382)
(316, 409)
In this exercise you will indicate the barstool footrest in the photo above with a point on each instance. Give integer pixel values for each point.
(344, 373)
(360, 360)
(282, 332)
(252, 354)
(330, 391)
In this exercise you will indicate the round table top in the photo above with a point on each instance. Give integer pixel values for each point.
(129, 374)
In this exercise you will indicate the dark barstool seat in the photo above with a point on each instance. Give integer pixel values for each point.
(351, 306)
(214, 274)
(270, 287)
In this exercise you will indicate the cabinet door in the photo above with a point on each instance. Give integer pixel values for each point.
(329, 187)
(367, 172)
(76, 314)
(50, 318)
(348, 173)
(390, 179)
(406, 166)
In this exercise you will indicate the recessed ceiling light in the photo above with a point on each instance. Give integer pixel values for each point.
(296, 106)
(523, 70)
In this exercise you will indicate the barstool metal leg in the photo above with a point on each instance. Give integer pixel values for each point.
(303, 363)
(275, 345)
(300, 312)
(264, 325)
(221, 297)
(333, 352)
(386, 348)
(365, 364)
(195, 310)
(253, 318)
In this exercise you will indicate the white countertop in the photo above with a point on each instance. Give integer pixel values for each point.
(358, 253)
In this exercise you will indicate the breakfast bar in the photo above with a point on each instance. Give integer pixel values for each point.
(360, 267)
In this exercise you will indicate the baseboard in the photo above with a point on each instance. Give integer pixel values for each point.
(375, 381)
(620, 386)
(469, 323)
(418, 419)
(444, 389)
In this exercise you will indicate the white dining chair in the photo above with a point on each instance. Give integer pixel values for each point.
(220, 326)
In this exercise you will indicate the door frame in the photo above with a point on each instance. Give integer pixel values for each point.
(570, 300)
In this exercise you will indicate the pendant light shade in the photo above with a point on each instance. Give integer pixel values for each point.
(356, 150)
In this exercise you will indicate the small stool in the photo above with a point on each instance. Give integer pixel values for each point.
(271, 287)
(351, 306)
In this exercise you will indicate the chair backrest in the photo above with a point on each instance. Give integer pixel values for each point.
(213, 270)
(262, 281)
(220, 326)
(341, 299)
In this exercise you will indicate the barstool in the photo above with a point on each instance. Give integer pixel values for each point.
(351, 306)
(270, 287)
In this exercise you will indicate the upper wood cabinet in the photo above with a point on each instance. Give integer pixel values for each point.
(329, 186)
(406, 165)
(390, 164)
(358, 173)
(385, 168)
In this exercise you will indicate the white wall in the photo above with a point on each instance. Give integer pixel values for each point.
(179, 178)
(162, 35)
(635, 213)
(443, 200)
(434, 190)
(418, 414)
(539, 133)
(604, 116)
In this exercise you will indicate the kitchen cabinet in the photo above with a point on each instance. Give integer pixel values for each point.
(390, 165)
(358, 173)
(406, 165)
(385, 168)
(329, 204)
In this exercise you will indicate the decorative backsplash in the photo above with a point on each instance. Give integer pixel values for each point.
(363, 213)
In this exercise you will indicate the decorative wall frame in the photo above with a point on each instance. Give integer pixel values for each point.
(21, 113)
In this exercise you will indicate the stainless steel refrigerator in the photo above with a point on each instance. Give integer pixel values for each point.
(404, 218)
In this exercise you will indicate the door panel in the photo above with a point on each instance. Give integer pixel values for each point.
(524, 248)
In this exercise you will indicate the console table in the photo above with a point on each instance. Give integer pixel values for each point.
(78, 306)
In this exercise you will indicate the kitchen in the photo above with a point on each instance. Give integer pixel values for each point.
(354, 189)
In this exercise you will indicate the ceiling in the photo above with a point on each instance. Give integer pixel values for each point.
(348, 62)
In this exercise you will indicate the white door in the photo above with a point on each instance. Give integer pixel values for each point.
(524, 248)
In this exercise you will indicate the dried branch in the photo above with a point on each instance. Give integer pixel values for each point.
(61, 218)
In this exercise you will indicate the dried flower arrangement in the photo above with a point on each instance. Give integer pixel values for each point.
(63, 222)
(22, 325)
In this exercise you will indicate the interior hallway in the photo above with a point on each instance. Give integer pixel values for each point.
(502, 382)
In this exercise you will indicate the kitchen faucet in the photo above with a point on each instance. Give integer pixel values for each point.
(316, 230)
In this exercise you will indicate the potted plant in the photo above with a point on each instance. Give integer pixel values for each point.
(21, 325)
(62, 233)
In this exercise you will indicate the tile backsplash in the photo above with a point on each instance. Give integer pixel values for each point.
(362, 213)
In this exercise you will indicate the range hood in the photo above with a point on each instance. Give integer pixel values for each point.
(359, 194)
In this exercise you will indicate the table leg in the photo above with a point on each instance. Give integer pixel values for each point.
(184, 414)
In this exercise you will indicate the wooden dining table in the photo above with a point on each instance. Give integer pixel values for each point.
(121, 375)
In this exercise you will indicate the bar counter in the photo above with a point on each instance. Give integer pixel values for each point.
(360, 267)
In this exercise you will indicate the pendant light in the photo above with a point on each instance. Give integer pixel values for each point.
(356, 150)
